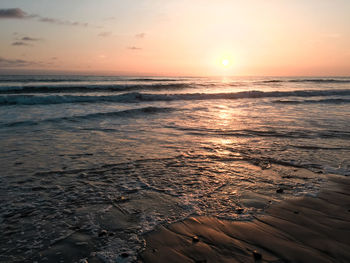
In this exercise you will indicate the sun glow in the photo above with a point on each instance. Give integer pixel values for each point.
(225, 62)
(222, 62)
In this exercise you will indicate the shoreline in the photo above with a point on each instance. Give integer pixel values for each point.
(304, 229)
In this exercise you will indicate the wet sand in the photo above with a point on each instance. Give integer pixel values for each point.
(305, 229)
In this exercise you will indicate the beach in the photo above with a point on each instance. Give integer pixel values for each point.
(306, 229)
(299, 229)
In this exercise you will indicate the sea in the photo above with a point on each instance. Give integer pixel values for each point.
(112, 158)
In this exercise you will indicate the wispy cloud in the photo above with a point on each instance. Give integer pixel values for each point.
(25, 41)
(61, 22)
(105, 34)
(17, 13)
(31, 39)
(14, 63)
(20, 43)
(134, 48)
(140, 35)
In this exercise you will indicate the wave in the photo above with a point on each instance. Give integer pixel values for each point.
(312, 80)
(145, 97)
(91, 88)
(123, 113)
(321, 80)
(309, 147)
(58, 79)
(157, 79)
(265, 132)
(306, 134)
(324, 101)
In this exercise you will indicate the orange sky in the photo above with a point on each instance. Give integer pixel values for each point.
(154, 37)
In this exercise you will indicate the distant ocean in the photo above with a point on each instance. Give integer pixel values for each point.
(160, 149)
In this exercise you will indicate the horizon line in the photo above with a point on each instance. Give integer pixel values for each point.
(11, 72)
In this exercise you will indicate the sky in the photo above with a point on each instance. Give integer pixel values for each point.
(176, 37)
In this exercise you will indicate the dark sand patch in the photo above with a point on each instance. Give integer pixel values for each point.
(305, 229)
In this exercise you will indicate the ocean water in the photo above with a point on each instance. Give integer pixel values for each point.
(121, 154)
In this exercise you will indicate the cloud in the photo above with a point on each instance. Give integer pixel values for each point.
(134, 48)
(140, 35)
(61, 22)
(10, 63)
(31, 39)
(105, 34)
(13, 13)
(17, 13)
(25, 41)
(20, 43)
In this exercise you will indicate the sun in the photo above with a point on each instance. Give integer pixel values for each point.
(225, 62)
(222, 63)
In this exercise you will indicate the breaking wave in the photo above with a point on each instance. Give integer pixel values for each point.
(113, 114)
(323, 101)
(309, 80)
(90, 88)
(140, 97)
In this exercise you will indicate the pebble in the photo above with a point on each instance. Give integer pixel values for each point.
(279, 191)
(195, 239)
(257, 255)
(102, 233)
(121, 199)
(239, 210)
(124, 255)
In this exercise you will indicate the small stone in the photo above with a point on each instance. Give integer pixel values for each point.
(265, 165)
(121, 199)
(154, 250)
(296, 212)
(200, 261)
(279, 191)
(102, 233)
(239, 210)
(257, 255)
(195, 239)
(124, 255)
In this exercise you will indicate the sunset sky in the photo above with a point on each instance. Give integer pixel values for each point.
(176, 37)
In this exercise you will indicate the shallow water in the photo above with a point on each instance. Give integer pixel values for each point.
(127, 154)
